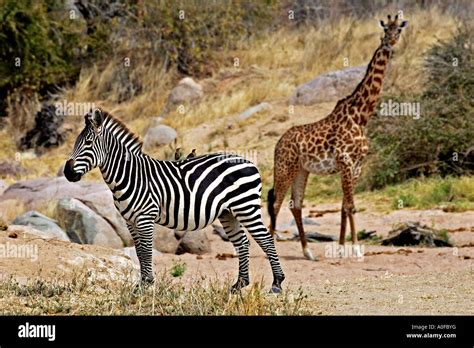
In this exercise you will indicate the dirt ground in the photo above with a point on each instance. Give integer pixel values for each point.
(386, 280)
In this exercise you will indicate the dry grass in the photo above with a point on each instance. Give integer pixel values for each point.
(270, 69)
(170, 296)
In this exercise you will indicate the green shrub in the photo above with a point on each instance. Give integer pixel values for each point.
(38, 45)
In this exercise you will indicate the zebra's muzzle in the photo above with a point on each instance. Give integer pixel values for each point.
(69, 172)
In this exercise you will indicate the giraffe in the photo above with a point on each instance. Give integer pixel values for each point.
(335, 144)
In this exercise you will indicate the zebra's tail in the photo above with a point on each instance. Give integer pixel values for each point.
(271, 211)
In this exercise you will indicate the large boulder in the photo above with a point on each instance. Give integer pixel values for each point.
(49, 259)
(164, 240)
(84, 226)
(329, 86)
(187, 91)
(253, 110)
(103, 204)
(41, 222)
(131, 252)
(195, 242)
(38, 191)
(159, 135)
(10, 169)
(3, 186)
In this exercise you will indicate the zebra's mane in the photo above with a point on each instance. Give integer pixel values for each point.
(122, 132)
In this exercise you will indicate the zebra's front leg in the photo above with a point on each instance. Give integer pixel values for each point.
(142, 233)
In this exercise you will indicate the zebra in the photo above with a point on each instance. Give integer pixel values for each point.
(184, 195)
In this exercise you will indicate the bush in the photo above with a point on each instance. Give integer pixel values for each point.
(440, 141)
(37, 46)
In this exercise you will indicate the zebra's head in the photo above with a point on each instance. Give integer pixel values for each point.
(89, 151)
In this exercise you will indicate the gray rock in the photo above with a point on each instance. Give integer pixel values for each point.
(60, 170)
(195, 242)
(3, 186)
(11, 169)
(131, 252)
(164, 240)
(306, 221)
(102, 203)
(84, 226)
(329, 86)
(219, 230)
(253, 110)
(187, 91)
(41, 222)
(159, 135)
(156, 121)
(33, 193)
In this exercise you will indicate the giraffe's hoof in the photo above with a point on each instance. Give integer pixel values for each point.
(357, 250)
(308, 254)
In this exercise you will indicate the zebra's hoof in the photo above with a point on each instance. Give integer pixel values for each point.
(275, 289)
(235, 289)
(308, 254)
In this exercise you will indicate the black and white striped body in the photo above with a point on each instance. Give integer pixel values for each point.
(184, 195)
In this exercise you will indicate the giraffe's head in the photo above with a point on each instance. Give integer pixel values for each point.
(392, 30)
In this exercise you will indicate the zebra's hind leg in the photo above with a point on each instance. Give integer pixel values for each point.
(251, 219)
(142, 233)
(237, 236)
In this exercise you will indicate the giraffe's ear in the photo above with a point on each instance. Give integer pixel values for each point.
(404, 24)
(382, 25)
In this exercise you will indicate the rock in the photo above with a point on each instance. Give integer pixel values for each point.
(3, 225)
(35, 192)
(103, 205)
(10, 169)
(60, 171)
(48, 226)
(219, 230)
(84, 226)
(253, 110)
(51, 259)
(47, 131)
(131, 252)
(3, 186)
(329, 86)
(164, 240)
(195, 242)
(413, 233)
(156, 121)
(159, 135)
(306, 221)
(187, 91)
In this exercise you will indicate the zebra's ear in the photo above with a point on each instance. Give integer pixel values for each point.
(97, 117)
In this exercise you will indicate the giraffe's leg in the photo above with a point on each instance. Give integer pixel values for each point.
(297, 195)
(348, 199)
(252, 221)
(144, 242)
(283, 180)
(284, 171)
(342, 235)
(237, 236)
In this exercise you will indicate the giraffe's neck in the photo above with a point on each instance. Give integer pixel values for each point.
(366, 94)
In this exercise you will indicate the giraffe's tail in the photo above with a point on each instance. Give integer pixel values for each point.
(271, 210)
